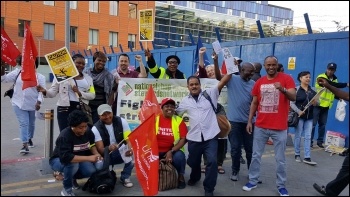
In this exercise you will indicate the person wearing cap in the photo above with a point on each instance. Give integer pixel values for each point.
(325, 103)
(158, 72)
(112, 131)
(171, 136)
(75, 153)
(204, 128)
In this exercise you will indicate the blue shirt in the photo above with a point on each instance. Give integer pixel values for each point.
(239, 99)
(202, 118)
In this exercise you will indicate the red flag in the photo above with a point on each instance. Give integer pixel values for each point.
(145, 146)
(223, 68)
(150, 105)
(9, 52)
(29, 54)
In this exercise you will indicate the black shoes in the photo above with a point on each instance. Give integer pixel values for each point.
(319, 144)
(208, 193)
(320, 189)
(242, 160)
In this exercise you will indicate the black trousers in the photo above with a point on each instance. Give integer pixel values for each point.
(335, 187)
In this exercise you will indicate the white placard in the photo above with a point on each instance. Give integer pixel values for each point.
(217, 47)
(229, 61)
(122, 150)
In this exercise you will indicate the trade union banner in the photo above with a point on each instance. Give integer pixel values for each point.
(132, 92)
(146, 25)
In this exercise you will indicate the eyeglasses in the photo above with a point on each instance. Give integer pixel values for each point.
(172, 62)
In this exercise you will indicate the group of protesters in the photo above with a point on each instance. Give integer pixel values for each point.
(257, 109)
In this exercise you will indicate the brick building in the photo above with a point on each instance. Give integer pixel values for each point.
(93, 24)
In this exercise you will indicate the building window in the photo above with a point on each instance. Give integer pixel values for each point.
(132, 10)
(21, 27)
(73, 5)
(229, 12)
(52, 3)
(131, 40)
(113, 39)
(2, 22)
(113, 8)
(93, 36)
(242, 14)
(191, 4)
(49, 31)
(93, 6)
(73, 34)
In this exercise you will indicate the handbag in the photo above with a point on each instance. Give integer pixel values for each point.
(293, 118)
(340, 112)
(10, 91)
(167, 176)
(224, 124)
(85, 108)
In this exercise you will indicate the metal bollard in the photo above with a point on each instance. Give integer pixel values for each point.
(49, 114)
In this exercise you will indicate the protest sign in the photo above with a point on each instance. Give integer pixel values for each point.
(146, 24)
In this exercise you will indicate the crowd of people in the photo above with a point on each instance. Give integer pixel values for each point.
(257, 109)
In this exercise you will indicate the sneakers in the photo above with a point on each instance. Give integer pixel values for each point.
(127, 183)
(75, 184)
(308, 161)
(248, 187)
(24, 150)
(67, 193)
(283, 192)
(234, 176)
(30, 144)
(297, 158)
(319, 144)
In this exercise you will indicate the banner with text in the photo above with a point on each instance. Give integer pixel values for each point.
(132, 91)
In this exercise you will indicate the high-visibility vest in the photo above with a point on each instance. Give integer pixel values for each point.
(326, 97)
(175, 124)
(163, 74)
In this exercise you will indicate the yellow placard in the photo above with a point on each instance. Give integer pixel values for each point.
(146, 25)
(291, 63)
(62, 65)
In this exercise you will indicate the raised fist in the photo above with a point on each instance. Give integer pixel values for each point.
(202, 50)
(138, 58)
(148, 53)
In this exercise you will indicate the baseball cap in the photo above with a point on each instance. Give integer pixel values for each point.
(103, 108)
(332, 66)
(166, 101)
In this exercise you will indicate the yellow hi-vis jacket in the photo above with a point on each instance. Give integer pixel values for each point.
(175, 124)
(326, 97)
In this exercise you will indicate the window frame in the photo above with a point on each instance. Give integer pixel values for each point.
(133, 41)
(76, 34)
(22, 27)
(49, 3)
(91, 36)
(114, 8)
(93, 8)
(49, 34)
(113, 36)
(130, 15)
(75, 3)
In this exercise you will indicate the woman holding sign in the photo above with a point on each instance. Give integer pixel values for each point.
(69, 92)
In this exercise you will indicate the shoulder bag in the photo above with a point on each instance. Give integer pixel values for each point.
(85, 107)
(10, 91)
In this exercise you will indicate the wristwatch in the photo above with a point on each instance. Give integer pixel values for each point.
(284, 90)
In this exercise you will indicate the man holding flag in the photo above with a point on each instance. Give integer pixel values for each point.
(26, 99)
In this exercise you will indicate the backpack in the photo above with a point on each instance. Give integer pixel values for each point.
(102, 181)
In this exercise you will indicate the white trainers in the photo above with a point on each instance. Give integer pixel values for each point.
(127, 183)
(297, 158)
(309, 161)
(67, 193)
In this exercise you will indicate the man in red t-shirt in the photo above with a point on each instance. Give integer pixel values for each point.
(271, 96)
(171, 137)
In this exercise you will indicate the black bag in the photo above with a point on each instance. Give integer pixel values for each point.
(102, 181)
(87, 110)
(167, 176)
(10, 91)
(293, 118)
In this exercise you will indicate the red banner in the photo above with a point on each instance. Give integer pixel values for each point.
(150, 105)
(9, 52)
(144, 144)
(29, 54)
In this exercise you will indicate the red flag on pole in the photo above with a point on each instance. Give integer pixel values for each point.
(145, 146)
(150, 105)
(223, 68)
(29, 54)
(9, 52)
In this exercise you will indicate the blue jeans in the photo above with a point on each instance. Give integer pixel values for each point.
(195, 152)
(306, 126)
(26, 120)
(279, 142)
(320, 117)
(72, 170)
(116, 158)
(179, 161)
(237, 136)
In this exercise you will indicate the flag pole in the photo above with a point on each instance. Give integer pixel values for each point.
(118, 145)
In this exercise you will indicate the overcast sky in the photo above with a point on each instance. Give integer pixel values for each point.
(321, 13)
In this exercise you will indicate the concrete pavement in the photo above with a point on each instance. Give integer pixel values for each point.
(22, 175)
